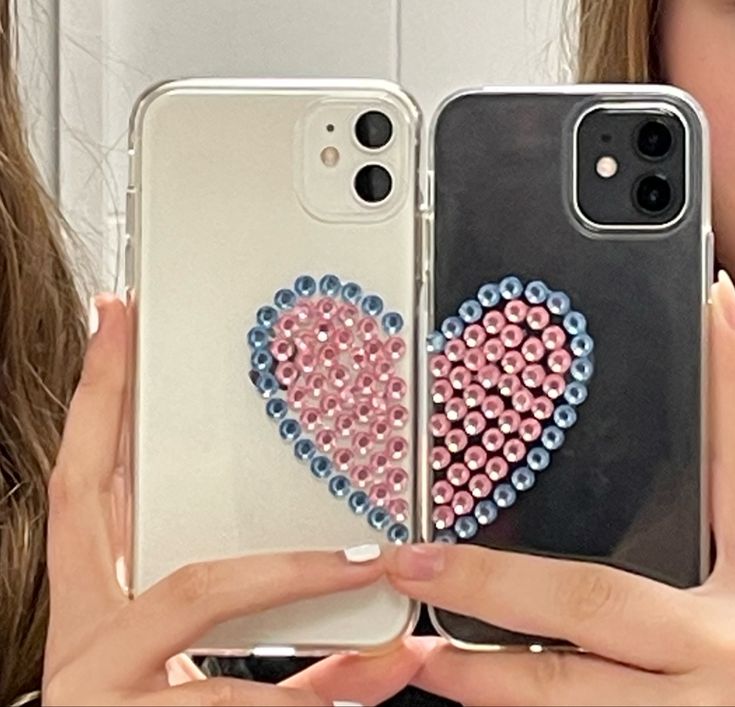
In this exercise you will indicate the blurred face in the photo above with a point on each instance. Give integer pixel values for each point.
(699, 56)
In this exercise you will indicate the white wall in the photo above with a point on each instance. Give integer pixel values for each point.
(85, 61)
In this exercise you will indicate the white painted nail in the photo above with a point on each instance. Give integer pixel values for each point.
(346, 703)
(93, 322)
(359, 554)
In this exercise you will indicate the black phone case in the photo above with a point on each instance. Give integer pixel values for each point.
(626, 487)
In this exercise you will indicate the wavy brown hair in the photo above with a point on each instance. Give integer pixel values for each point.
(42, 340)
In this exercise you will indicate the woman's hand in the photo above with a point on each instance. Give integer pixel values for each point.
(103, 648)
(648, 643)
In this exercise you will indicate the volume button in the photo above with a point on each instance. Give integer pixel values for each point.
(709, 275)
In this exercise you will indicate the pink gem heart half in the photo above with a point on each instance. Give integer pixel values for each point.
(327, 359)
(509, 372)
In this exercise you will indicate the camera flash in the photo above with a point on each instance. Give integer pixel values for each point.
(330, 156)
(607, 167)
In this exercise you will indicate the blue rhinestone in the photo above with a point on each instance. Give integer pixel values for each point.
(285, 299)
(486, 512)
(276, 408)
(359, 502)
(538, 459)
(552, 438)
(378, 518)
(339, 486)
(267, 384)
(576, 393)
(304, 450)
(466, 527)
(558, 303)
(511, 287)
(321, 467)
(372, 305)
(261, 360)
(330, 285)
(582, 345)
(575, 323)
(267, 316)
(452, 327)
(489, 295)
(258, 337)
(536, 292)
(470, 311)
(289, 430)
(435, 342)
(305, 286)
(505, 495)
(447, 537)
(352, 292)
(565, 416)
(523, 478)
(582, 369)
(392, 323)
(398, 534)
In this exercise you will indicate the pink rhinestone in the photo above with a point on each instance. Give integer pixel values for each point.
(530, 430)
(512, 336)
(480, 486)
(329, 356)
(397, 479)
(473, 395)
(363, 411)
(398, 416)
(507, 385)
(488, 376)
(303, 311)
(455, 409)
(306, 362)
(514, 450)
(326, 308)
(442, 517)
(310, 418)
(533, 376)
(440, 366)
(317, 383)
(538, 318)
(287, 373)
(475, 458)
(442, 492)
(329, 404)
(441, 391)
(509, 421)
(474, 423)
(324, 331)
(460, 378)
(396, 388)
(455, 350)
(458, 474)
(554, 386)
(343, 458)
(347, 399)
(515, 311)
(474, 335)
(361, 476)
(378, 403)
(493, 350)
(359, 358)
(522, 400)
(398, 508)
(348, 314)
(513, 362)
(325, 440)
(560, 361)
(462, 503)
(379, 462)
(474, 360)
(306, 342)
(455, 441)
(533, 349)
(297, 397)
(493, 322)
(362, 443)
(542, 408)
(396, 348)
(383, 370)
(380, 429)
(373, 350)
(344, 424)
(492, 407)
(339, 376)
(365, 383)
(367, 328)
(282, 349)
(496, 468)
(554, 337)
(440, 425)
(397, 447)
(493, 440)
(380, 494)
(286, 325)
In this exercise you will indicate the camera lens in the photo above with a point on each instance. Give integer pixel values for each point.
(654, 139)
(653, 194)
(373, 183)
(373, 130)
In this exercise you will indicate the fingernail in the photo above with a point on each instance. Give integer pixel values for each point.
(93, 321)
(727, 297)
(360, 554)
(417, 562)
(346, 703)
